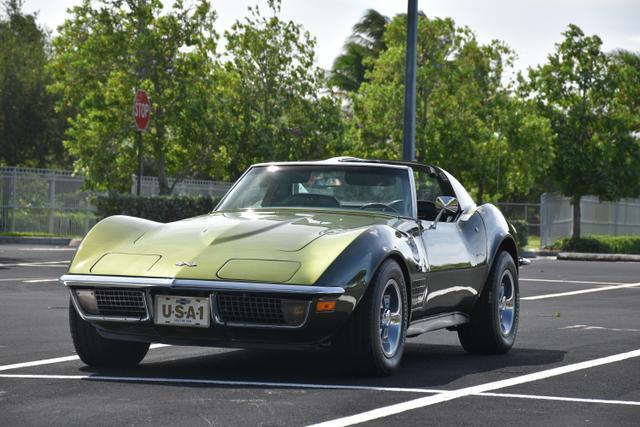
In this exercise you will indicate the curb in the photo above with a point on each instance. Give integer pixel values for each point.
(534, 254)
(57, 241)
(575, 256)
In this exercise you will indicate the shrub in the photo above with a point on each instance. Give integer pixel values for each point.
(522, 232)
(156, 208)
(600, 244)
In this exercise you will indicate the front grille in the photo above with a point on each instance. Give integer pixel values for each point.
(241, 309)
(121, 303)
(250, 309)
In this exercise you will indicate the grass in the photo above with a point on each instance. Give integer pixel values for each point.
(533, 243)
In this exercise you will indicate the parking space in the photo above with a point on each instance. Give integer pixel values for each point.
(576, 361)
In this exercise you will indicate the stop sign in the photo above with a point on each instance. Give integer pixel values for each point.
(142, 110)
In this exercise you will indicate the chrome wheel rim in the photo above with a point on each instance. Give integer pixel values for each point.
(390, 318)
(506, 302)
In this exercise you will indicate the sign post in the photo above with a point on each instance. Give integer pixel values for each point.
(142, 116)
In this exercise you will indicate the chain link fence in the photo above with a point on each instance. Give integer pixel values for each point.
(54, 202)
(150, 186)
(527, 212)
(44, 201)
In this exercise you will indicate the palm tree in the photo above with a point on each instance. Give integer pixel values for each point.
(366, 41)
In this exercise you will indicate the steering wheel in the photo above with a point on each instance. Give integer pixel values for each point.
(384, 207)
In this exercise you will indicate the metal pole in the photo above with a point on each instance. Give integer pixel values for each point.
(409, 132)
(139, 141)
(52, 203)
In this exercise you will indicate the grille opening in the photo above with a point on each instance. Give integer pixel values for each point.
(260, 310)
(120, 303)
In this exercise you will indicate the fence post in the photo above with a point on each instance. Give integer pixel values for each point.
(14, 202)
(543, 225)
(52, 202)
(87, 211)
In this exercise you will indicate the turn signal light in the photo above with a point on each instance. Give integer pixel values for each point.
(325, 306)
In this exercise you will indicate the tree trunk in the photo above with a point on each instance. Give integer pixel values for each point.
(575, 201)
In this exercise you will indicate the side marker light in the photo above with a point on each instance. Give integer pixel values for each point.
(325, 306)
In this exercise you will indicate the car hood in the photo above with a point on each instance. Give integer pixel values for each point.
(264, 246)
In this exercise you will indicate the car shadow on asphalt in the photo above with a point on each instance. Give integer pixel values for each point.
(423, 366)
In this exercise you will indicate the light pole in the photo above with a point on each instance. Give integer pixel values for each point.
(409, 131)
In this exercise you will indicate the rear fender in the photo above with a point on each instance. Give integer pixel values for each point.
(499, 234)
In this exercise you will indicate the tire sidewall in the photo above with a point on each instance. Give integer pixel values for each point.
(504, 262)
(389, 270)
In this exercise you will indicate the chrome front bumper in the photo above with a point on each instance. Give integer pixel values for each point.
(146, 285)
(197, 285)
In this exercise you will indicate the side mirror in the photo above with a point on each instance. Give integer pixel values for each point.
(445, 204)
(448, 204)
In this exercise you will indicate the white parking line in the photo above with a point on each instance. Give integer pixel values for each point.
(468, 391)
(598, 328)
(54, 360)
(582, 291)
(38, 264)
(560, 399)
(38, 363)
(573, 282)
(305, 386)
(13, 249)
(221, 382)
(39, 280)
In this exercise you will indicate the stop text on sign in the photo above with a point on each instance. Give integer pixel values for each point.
(141, 110)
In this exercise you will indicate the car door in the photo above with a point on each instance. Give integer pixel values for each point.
(455, 248)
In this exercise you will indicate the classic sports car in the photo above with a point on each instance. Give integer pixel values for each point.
(348, 254)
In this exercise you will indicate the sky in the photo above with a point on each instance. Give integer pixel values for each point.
(530, 27)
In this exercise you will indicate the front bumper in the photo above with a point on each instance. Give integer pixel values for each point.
(315, 328)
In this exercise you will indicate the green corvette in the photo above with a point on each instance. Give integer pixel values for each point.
(347, 254)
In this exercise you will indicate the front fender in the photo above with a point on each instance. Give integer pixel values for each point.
(106, 235)
(356, 266)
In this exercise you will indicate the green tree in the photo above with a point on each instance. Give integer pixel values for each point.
(361, 48)
(468, 120)
(588, 100)
(29, 128)
(107, 49)
(275, 94)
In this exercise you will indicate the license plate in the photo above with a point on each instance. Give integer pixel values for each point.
(182, 311)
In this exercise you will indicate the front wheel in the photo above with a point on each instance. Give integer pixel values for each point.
(374, 338)
(494, 321)
(96, 351)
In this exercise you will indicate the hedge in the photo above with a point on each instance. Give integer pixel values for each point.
(157, 208)
(600, 244)
(522, 232)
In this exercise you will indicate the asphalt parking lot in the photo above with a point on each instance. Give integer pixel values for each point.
(576, 362)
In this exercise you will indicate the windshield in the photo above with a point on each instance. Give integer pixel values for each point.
(381, 189)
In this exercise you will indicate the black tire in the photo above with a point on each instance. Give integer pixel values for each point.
(361, 341)
(96, 351)
(487, 332)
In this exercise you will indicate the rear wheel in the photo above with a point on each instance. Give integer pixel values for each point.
(494, 321)
(374, 338)
(94, 350)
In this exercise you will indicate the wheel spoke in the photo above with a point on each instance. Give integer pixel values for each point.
(506, 302)
(391, 315)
